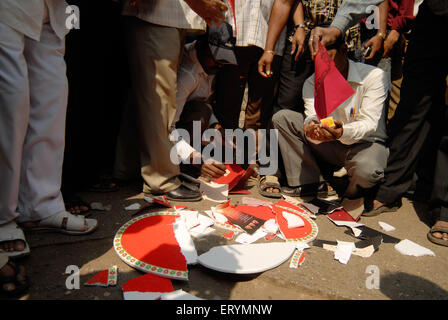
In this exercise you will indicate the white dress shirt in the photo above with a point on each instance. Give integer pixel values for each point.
(169, 13)
(26, 16)
(193, 83)
(252, 22)
(362, 113)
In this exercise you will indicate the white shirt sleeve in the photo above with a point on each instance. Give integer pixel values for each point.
(308, 99)
(373, 98)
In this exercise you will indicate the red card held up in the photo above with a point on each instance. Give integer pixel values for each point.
(330, 87)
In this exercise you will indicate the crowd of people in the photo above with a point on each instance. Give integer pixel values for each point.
(108, 104)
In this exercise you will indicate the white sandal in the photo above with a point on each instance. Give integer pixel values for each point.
(11, 232)
(67, 223)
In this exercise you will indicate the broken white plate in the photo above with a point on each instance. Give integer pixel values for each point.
(185, 242)
(179, 295)
(409, 248)
(246, 238)
(344, 251)
(247, 258)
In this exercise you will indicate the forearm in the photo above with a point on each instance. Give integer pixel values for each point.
(351, 12)
(298, 16)
(383, 10)
(277, 21)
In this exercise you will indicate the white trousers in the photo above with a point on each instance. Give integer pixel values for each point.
(33, 103)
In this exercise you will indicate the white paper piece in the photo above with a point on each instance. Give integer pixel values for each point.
(301, 246)
(311, 207)
(409, 248)
(218, 216)
(185, 242)
(190, 217)
(100, 207)
(214, 192)
(200, 233)
(385, 226)
(202, 227)
(184, 150)
(349, 224)
(179, 295)
(293, 220)
(270, 226)
(344, 251)
(134, 206)
(357, 232)
(364, 252)
(246, 238)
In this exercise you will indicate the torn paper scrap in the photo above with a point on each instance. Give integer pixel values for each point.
(190, 217)
(350, 224)
(214, 191)
(269, 237)
(179, 295)
(344, 251)
(246, 238)
(293, 220)
(104, 278)
(100, 207)
(357, 232)
(162, 200)
(200, 233)
(385, 226)
(134, 206)
(409, 248)
(229, 235)
(270, 226)
(291, 200)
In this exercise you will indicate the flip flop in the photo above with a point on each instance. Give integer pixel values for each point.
(438, 240)
(20, 287)
(265, 182)
(12, 232)
(66, 223)
(380, 210)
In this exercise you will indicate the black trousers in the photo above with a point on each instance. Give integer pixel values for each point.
(439, 197)
(421, 108)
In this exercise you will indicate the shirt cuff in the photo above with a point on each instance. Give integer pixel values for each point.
(347, 136)
(184, 150)
(341, 22)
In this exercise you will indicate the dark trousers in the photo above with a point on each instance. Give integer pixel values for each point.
(231, 83)
(421, 108)
(439, 197)
(292, 77)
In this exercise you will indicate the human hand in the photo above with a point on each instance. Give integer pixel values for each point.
(311, 130)
(298, 43)
(209, 10)
(212, 170)
(264, 64)
(332, 133)
(375, 43)
(326, 36)
(390, 42)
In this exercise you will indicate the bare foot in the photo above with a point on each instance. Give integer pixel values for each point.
(16, 245)
(273, 190)
(441, 235)
(8, 271)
